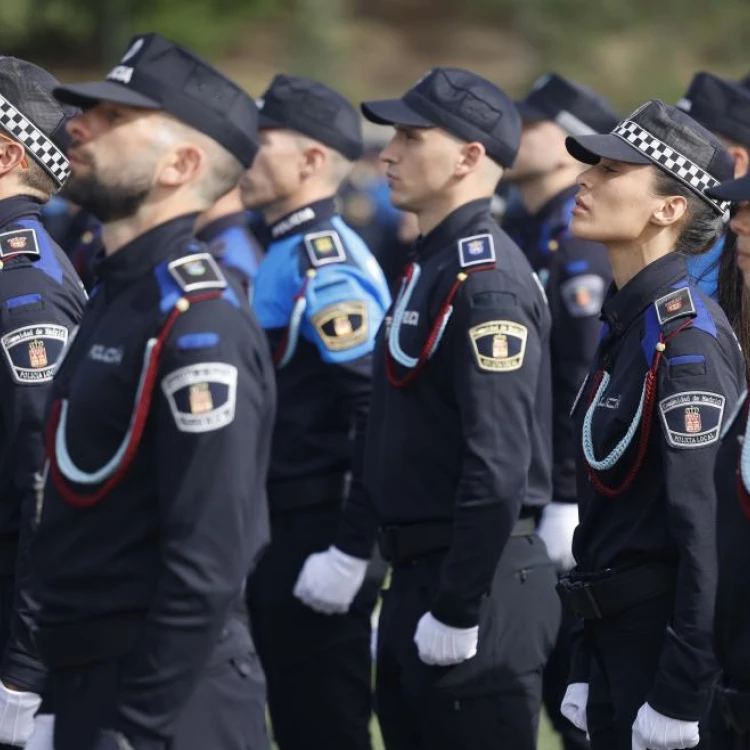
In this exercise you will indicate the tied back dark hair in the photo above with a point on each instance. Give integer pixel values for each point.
(702, 230)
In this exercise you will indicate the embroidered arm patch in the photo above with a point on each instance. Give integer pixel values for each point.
(197, 272)
(692, 419)
(32, 352)
(324, 248)
(19, 242)
(499, 345)
(676, 304)
(343, 325)
(202, 397)
(583, 295)
(476, 250)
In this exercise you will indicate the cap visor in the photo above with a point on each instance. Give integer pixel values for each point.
(589, 149)
(732, 190)
(88, 94)
(529, 113)
(394, 112)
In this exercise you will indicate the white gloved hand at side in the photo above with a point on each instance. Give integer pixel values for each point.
(559, 521)
(573, 706)
(654, 731)
(43, 736)
(442, 645)
(17, 711)
(330, 580)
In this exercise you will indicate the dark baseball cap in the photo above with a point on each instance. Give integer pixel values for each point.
(576, 109)
(460, 102)
(667, 137)
(315, 110)
(30, 114)
(155, 73)
(732, 190)
(721, 106)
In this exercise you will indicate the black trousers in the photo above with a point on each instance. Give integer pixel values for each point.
(318, 667)
(7, 584)
(226, 710)
(555, 684)
(625, 660)
(721, 736)
(490, 702)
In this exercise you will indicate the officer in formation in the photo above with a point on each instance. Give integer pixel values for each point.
(730, 721)
(576, 274)
(321, 297)
(42, 302)
(157, 440)
(648, 420)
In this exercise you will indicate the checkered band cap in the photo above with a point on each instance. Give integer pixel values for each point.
(666, 157)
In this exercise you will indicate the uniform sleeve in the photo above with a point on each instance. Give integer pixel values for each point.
(36, 328)
(579, 278)
(212, 413)
(344, 312)
(497, 348)
(696, 385)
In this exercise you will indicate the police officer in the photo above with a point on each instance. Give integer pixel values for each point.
(154, 509)
(648, 419)
(577, 274)
(226, 231)
(730, 729)
(457, 450)
(723, 107)
(42, 302)
(321, 297)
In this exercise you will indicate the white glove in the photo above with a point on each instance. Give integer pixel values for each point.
(442, 645)
(330, 580)
(654, 731)
(559, 521)
(17, 710)
(43, 736)
(573, 706)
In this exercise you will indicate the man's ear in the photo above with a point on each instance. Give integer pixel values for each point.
(181, 165)
(470, 158)
(313, 158)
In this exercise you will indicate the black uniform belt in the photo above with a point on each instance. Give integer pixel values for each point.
(735, 708)
(295, 494)
(593, 596)
(400, 544)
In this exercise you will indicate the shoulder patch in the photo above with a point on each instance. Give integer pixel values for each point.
(343, 325)
(499, 345)
(32, 352)
(692, 419)
(19, 242)
(476, 250)
(197, 272)
(583, 295)
(674, 305)
(202, 397)
(324, 248)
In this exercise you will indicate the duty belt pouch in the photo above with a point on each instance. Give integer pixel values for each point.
(735, 708)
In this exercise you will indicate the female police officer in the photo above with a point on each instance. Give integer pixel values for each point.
(649, 417)
(731, 728)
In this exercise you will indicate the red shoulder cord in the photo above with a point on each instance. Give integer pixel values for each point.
(646, 418)
(390, 364)
(742, 493)
(141, 415)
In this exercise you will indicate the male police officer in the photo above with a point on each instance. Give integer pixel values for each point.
(722, 107)
(321, 296)
(154, 507)
(577, 274)
(457, 451)
(42, 301)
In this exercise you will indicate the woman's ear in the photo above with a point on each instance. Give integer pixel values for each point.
(671, 211)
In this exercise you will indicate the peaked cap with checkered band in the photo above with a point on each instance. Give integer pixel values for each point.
(659, 134)
(30, 115)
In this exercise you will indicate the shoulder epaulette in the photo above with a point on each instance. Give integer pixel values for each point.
(19, 242)
(324, 248)
(197, 272)
(476, 250)
(676, 304)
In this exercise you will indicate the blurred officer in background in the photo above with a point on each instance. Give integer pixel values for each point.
(321, 296)
(576, 274)
(154, 507)
(42, 302)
